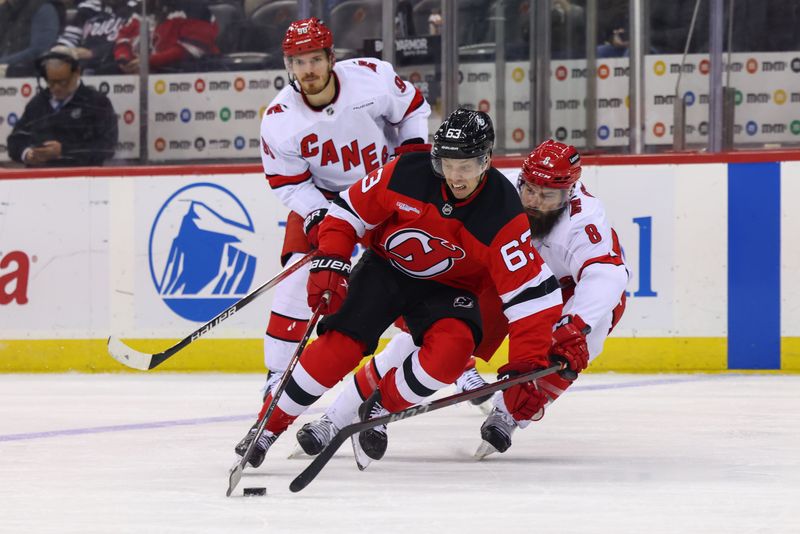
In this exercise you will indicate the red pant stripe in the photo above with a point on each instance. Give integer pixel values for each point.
(286, 328)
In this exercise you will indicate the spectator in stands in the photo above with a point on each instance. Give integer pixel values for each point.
(612, 28)
(68, 124)
(93, 32)
(615, 45)
(27, 29)
(185, 32)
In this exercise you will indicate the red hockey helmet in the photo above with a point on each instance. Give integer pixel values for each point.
(552, 164)
(306, 35)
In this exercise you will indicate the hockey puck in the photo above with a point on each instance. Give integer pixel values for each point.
(255, 492)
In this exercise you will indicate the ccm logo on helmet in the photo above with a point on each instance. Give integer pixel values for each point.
(421, 255)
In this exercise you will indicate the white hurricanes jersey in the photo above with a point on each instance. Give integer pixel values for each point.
(305, 149)
(584, 253)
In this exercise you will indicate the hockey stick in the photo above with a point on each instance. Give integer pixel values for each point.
(310, 473)
(235, 474)
(144, 362)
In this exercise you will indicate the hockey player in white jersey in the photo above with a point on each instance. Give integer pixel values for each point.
(334, 123)
(570, 230)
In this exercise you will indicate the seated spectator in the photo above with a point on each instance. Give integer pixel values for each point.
(93, 32)
(66, 125)
(27, 29)
(616, 45)
(185, 32)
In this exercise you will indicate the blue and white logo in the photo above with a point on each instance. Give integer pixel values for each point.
(239, 142)
(689, 98)
(200, 251)
(603, 132)
(751, 127)
(12, 119)
(186, 115)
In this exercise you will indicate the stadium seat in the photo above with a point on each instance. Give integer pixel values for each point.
(352, 22)
(251, 5)
(230, 20)
(267, 26)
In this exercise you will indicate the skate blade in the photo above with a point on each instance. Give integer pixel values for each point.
(362, 460)
(298, 454)
(484, 450)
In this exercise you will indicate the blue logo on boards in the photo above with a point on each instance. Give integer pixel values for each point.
(12, 119)
(239, 142)
(752, 127)
(186, 115)
(689, 98)
(198, 251)
(603, 132)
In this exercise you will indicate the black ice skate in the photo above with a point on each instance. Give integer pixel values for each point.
(370, 444)
(316, 435)
(263, 444)
(496, 433)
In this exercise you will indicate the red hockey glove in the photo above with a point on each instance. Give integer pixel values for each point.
(523, 401)
(569, 345)
(311, 226)
(328, 273)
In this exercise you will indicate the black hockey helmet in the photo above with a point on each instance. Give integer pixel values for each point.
(465, 134)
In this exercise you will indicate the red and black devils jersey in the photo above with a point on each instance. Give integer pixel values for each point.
(406, 214)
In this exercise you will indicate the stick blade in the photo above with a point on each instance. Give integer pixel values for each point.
(127, 356)
(234, 478)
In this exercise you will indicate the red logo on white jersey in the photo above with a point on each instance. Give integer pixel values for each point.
(421, 255)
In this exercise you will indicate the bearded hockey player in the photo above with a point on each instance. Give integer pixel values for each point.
(440, 228)
(334, 123)
(571, 232)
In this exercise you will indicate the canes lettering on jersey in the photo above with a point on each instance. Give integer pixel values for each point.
(349, 155)
(420, 254)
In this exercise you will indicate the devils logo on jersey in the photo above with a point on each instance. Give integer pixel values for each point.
(421, 255)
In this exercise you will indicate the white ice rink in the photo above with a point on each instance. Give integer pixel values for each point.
(149, 453)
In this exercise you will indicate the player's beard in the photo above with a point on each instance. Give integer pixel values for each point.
(543, 222)
(317, 86)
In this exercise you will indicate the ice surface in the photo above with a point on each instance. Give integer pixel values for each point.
(150, 453)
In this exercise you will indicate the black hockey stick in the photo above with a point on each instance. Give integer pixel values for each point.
(144, 362)
(235, 474)
(310, 473)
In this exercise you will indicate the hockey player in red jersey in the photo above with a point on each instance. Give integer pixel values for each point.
(439, 228)
(572, 234)
(334, 123)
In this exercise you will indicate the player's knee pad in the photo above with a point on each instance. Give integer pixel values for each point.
(332, 356)
(446, 348)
